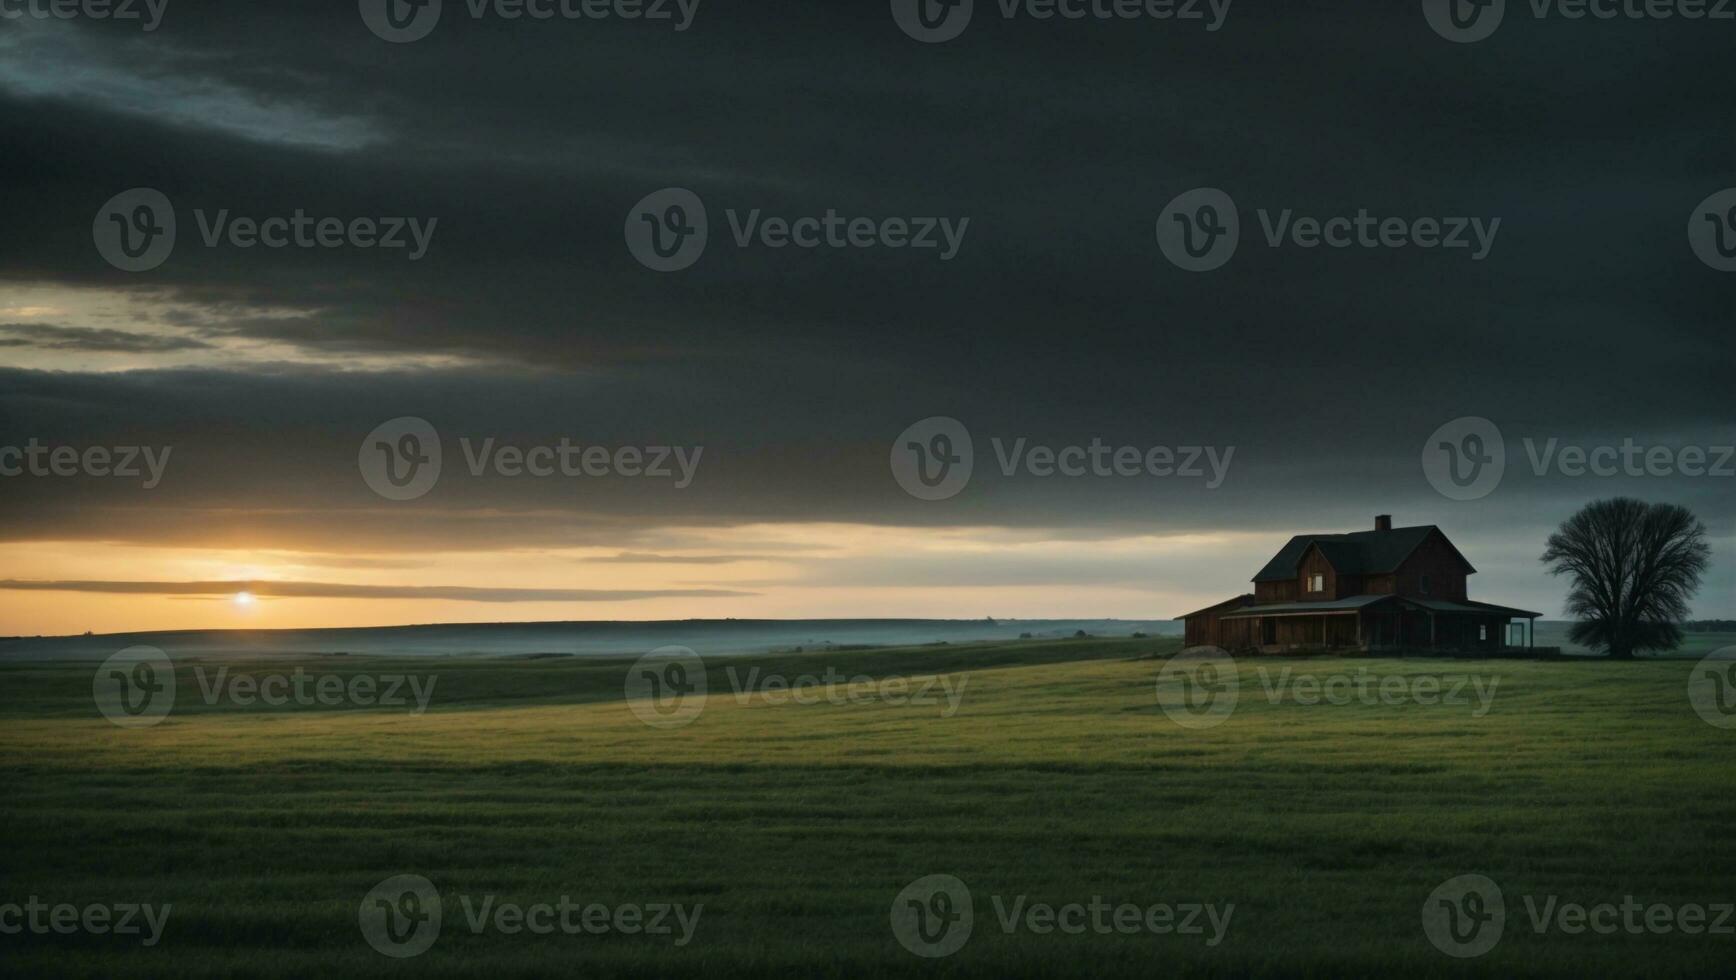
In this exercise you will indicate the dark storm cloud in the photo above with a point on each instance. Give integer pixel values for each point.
(1060, 140)
(1059, 320)
(47, 336)
(286, 466)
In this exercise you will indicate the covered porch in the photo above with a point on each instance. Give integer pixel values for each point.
(1381, 622)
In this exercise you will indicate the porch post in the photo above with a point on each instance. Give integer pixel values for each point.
(1432, 631)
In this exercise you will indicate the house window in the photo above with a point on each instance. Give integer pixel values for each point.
(1317, 583)
(1424, 585)
(1482, 633)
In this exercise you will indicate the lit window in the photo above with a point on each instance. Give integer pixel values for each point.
(1317, 583)
(1482, 632)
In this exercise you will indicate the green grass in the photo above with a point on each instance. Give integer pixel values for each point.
(1059, 778)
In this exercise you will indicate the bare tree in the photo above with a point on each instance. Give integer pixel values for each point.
(1635, 566)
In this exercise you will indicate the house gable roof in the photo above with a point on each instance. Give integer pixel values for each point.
(1355, 552)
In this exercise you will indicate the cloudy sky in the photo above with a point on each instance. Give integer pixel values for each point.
(527, 152)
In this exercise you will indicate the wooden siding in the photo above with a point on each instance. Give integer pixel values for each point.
(1310, 631)
(1436, 559)
(1315, 563)
(1208, 628)
(1283, 590)
(1377, 585)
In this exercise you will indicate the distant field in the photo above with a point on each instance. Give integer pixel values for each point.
(578, 638)
(1059, 777)
(1554, 634)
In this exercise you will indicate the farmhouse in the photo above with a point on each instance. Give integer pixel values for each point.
(1389, 588)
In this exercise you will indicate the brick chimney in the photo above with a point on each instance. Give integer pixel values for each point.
(1383, 522)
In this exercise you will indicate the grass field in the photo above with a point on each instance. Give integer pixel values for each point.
(1060, 777)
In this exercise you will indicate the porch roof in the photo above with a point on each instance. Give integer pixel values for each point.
(1349, 604)
(1357, 603)
(1472, 607)
(1241, 600)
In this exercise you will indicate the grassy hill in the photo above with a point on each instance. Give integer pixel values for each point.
(1059, 777)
